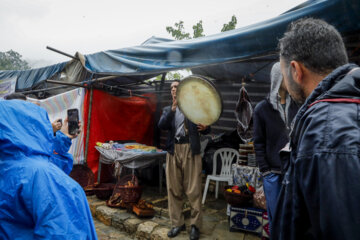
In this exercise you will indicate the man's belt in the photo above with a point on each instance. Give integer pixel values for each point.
(182, 140)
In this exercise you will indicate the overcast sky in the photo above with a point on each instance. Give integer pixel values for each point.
(97, 25)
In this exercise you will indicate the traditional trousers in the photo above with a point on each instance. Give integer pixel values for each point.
(183, 175)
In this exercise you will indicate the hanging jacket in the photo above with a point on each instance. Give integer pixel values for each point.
(272, 126)
(320, 195)
(37, 199)
(167, 122)
(244, 116)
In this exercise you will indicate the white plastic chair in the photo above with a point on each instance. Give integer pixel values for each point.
(228, 156)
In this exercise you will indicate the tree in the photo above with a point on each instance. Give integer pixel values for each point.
(11, 60)
(198, 30)
(177, 32)
(231, 25)
(170, 76)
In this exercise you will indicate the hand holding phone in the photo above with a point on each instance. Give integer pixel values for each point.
(73, 121)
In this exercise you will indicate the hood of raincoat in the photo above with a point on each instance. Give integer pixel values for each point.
(274, 98)
(37, 199)
(25, 130)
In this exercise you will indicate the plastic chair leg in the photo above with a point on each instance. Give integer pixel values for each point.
(205, 190)
(217, 189)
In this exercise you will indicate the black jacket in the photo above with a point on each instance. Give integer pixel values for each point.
(167, 122)
(270, 135)
(320, 195)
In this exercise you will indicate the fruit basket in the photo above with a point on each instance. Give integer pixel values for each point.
(237, 196)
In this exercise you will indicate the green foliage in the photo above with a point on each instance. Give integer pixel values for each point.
(178, 32)
(170, 76)
(11, 60)
(198, 30)
(231, 25)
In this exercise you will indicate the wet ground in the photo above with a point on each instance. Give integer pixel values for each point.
(120, 224)
(105, 232)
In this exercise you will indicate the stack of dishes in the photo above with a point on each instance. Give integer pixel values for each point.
(245, 150)
(251, 160)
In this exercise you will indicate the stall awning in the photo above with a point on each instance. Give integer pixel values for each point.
(215, 56)
(162, 55)
(28, 78)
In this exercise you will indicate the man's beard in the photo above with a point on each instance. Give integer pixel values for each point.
(297, 93)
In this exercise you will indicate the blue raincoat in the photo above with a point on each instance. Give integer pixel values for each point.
(37, 199)
(61, 157)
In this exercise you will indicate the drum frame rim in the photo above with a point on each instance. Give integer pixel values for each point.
(212, 85)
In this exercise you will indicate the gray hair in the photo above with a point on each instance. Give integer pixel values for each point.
(315, 43)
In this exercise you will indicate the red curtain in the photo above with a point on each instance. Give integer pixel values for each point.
(118, 118)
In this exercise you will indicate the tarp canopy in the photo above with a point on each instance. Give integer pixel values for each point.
(28, 78)
(225, 55)
(261, 39)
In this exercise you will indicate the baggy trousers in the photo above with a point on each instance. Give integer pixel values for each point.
(183, 175)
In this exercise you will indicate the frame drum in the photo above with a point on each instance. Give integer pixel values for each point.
(199, 100)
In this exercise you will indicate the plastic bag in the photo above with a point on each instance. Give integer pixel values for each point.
(259, 198)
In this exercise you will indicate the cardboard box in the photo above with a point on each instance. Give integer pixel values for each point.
(246, 219)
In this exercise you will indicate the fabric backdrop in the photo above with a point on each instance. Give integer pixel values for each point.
(57, 107)
(118, 118)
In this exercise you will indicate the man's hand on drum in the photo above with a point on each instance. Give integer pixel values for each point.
(174, 104)
(201, 127)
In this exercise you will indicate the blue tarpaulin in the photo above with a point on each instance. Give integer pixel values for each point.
(28, 78)
(162, 55)
(211, 55)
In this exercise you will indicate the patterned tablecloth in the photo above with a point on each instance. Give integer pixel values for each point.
(243, 174)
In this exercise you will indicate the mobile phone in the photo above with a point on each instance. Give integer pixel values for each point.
(73, 120)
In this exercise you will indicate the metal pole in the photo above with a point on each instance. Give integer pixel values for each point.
(63, 53)
(88, 126)
(42, 90)
(157, 130)
(65, 83)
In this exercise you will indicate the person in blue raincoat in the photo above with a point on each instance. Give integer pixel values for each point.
(62, 139)
(62, 143)
(37, 199)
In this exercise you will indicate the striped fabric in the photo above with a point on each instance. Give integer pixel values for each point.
(57, 106)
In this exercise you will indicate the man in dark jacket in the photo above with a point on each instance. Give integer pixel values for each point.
(272, 119)
(320, 194)
(183, 166)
